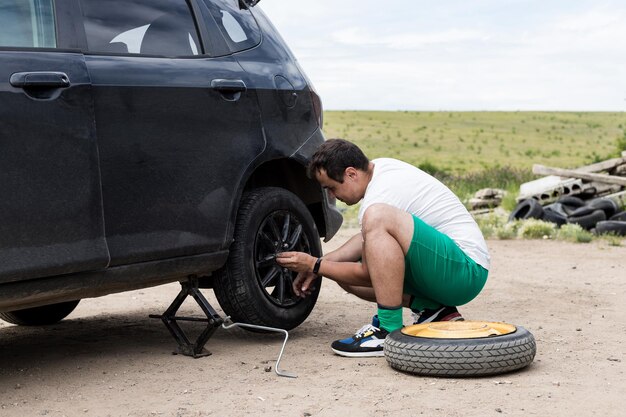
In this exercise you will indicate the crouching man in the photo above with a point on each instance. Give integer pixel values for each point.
(419, 247)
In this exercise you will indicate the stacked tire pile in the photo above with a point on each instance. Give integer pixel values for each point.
(601, 215)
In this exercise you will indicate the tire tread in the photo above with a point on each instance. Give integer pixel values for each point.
(454, 359)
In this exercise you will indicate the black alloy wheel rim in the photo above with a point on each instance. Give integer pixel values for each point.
(280, 231)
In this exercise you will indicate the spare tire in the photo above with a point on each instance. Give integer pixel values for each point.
(609, 206)
(527, 209)
(621, 216)
(611, 226)
(460, 349)
(588, 221)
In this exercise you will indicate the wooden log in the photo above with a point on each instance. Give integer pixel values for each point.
(603, 166)
(619, 170)
(571, 173)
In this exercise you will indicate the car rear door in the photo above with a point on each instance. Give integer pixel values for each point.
(51, 218)
(177, 128)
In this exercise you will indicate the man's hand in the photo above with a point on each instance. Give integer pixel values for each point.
(303, 264)
(296, 261)
(302, 284)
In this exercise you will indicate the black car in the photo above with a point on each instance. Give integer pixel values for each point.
(148, 141)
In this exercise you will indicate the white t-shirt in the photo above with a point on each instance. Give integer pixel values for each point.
(410, 189)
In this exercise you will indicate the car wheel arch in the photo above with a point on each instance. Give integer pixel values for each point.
(290, 175)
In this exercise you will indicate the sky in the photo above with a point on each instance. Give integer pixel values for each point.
(459, 54)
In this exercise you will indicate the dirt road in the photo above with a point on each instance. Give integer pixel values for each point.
(109, 359)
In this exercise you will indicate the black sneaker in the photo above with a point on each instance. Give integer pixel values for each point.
(367, 341)
(445, 313)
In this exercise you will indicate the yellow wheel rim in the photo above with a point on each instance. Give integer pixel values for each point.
(458, 329)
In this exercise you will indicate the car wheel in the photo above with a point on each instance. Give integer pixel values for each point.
(252, 288)
(40, 316)
(459, 349)
(527, 209)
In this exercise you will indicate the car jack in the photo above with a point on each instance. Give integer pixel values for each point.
(170, 319)
(213, 320)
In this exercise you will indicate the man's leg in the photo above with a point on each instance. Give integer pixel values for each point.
(387, 233)
(367, 294)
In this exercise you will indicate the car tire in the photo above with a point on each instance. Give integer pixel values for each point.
(571, 201)
(588, 221)
(582, 211)
(553, 216)
(558, 208)
(611, 226)
(607, 205)
(460, 357)
(40, 316)
(621, 216)
(251, 288)
(527, 209)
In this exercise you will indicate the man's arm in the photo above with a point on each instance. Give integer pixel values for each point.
(351, 251)
(343, 272)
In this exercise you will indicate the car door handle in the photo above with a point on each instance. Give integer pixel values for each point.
(229, 86)
(40, 79)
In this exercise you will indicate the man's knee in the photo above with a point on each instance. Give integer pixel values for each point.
(384, 219)
(376, 216)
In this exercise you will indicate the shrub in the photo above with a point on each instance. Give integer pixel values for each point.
(536, 229)
(574, 233)
(506, 178)
(612, 239)
(490, 224)
(508, 231)
(433, 170)
(620, 143)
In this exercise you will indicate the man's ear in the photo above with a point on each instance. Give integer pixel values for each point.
(350, 172)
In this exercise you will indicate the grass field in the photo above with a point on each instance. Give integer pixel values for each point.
(473, 150)
(467, 142)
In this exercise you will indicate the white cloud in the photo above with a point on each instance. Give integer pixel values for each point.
(522, 55)
(359, 36)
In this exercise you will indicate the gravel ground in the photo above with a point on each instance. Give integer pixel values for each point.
(109, 359)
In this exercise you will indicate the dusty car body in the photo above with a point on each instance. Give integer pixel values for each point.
(135, 136)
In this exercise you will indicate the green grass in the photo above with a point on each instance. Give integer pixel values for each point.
(473, 150)
(497, 226)
(457, 143)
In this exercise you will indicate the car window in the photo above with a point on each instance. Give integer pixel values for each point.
(147, 27)
(237, 25)
(27, 23)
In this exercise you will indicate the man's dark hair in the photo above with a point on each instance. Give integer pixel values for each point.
(334, 156)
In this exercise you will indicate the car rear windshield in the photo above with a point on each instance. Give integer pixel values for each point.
(237, 25)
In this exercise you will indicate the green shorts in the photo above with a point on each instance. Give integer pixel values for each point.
(437, 272)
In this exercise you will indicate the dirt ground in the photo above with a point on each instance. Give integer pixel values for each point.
(109, 359)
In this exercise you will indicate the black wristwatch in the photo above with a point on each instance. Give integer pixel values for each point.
(316, 267)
